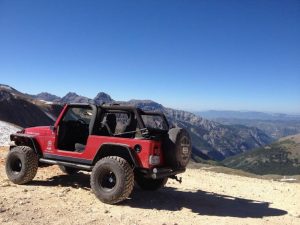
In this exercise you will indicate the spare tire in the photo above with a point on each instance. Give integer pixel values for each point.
(177, 148)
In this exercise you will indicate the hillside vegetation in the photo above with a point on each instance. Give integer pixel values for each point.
(281, 157)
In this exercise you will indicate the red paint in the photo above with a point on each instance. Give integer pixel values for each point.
(47, 140)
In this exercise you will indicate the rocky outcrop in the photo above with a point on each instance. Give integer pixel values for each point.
(102, 98)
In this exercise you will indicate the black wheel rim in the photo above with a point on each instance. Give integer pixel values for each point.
(107, 180)
(16, 165)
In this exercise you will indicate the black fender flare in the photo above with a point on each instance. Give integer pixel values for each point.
(28, 140)
(115, 149)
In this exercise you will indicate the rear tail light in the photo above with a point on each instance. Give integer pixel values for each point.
(154, 160)
(156, 150)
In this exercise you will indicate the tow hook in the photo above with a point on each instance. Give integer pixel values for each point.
(176, 178)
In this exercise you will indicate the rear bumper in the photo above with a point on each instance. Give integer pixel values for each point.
(158, 173)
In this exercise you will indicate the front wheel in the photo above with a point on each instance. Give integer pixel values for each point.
(150, 184)
(21, 164)
(112, 179)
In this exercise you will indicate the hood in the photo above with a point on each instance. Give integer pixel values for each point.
(41, 130)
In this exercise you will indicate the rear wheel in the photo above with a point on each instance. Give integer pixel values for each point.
(150, 184)
(112, 179)
(68, 170)
(21, 164)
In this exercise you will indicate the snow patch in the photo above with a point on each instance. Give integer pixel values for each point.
(46, 102)
(5, 130)
(286, 179)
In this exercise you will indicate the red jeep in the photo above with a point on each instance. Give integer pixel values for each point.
(118, 144)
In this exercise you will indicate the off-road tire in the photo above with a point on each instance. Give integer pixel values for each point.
(149, 184)
(123, 175)
(21, 164)
(177, 148)
(68, 170)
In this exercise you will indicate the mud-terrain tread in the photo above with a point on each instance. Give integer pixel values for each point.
(129, 179)
(30, 164)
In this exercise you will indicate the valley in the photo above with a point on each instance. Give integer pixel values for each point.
(274, 125)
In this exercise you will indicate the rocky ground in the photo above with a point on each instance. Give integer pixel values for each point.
(204, 197)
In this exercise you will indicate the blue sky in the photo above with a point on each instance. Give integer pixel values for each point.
(195, 55)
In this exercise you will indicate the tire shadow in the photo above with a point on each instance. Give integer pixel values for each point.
(202, 203)
(78, 180)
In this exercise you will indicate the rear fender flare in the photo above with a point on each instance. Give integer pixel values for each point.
(112, 149)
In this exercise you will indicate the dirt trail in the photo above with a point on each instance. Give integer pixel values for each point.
(204, 197)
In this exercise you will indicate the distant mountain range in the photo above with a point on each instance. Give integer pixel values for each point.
(47, 97)
(247, 115)
(281, 157)
(275, 125)
(210, 139)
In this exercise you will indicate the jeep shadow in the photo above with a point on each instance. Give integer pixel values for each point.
(202, 203)
(171, 199)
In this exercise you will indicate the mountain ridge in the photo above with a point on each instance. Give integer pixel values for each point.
(47, 97)
(250, 115)
(213, 139)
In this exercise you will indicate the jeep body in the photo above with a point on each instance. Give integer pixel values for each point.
(118, 136)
